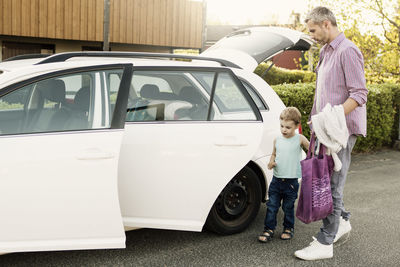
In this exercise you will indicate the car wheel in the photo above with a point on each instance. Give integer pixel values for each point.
(237, 205)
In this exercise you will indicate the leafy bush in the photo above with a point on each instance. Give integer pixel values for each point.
(278, 75)
(382, 111)
(395, 88)
(373, 77)
(380, 118)
(5, 105)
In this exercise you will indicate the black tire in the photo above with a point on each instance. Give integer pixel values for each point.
(237, 205)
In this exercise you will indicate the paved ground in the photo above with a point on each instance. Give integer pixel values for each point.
(372, 194)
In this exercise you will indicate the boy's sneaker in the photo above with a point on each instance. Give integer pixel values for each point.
(315, 251)
(344, 228)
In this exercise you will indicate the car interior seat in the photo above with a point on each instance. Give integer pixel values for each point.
(54, 91)
(150, 91)
(199, 108)
(49, 116)
(82, 100)
(80, 109)
(191, 95)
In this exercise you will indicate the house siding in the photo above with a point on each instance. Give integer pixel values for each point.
(166, 23)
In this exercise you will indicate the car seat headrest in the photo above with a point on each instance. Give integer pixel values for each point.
(82, 99)
(150, 91)
(53, 90)
(190, 94)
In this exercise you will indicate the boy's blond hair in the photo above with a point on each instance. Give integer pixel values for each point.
(291, 114)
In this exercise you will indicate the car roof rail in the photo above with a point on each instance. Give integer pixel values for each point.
(67, 55)
(26, 56)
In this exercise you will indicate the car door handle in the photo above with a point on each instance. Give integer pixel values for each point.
(93, 154)
(230, 141)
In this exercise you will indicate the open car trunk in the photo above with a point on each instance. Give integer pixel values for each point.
(249, 47)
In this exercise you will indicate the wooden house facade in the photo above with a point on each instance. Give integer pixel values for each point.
(52, 26)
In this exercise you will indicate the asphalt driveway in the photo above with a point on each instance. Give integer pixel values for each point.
(372, 194)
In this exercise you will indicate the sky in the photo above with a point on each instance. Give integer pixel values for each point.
(253, 11)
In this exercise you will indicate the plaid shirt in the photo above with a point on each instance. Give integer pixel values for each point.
(343, 78)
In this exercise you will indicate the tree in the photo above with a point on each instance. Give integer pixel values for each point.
(374, 26)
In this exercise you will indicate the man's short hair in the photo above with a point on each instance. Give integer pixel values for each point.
(320, 14)
(291, 114)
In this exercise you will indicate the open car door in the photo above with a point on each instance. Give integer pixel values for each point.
(180, 153)
(59, 159)
(249, 47)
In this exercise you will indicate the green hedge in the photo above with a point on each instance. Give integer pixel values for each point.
(278, 75)
(382, 111)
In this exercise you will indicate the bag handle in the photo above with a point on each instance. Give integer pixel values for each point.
(310, 152)
(311, 148)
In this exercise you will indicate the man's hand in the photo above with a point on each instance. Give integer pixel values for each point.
(271, 165)
(349, 105)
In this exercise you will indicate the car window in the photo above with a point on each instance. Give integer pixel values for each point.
(67, 102)
(188, 97)
(16, 100)
(254, 95)
(166, 96)
(229, 101)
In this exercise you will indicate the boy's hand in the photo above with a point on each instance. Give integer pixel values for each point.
(271, 165)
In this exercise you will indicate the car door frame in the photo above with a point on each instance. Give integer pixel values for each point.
(165, 221)
(112, 236)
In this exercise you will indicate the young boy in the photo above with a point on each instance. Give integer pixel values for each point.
(285, 161)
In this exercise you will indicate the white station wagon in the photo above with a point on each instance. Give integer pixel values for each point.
(94, 143)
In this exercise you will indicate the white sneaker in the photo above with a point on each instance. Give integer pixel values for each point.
(344, 228)
(315, 251)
